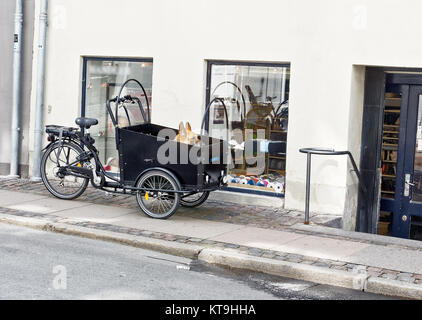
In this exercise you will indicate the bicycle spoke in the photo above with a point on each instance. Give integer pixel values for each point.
(166, 183)
(67, 157)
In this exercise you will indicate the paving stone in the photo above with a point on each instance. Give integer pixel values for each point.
(359, 269)
(294, 256)
(195, 240)
(321, 264)
(211, 242)
(339, 267)
(374, 269)
(405, 278)
(243, 248)
(389, 276)
(158, 235)
(326, 261)
(295, 260)
(311, 258)
(221, 245)
(231, 245)
(374, 273)
(255, 252)
(387, 271)
(134, 232)
(170, 237)
(268, 255)
(405, 274)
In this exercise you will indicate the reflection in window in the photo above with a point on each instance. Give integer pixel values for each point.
(256, 97)
(103, 81)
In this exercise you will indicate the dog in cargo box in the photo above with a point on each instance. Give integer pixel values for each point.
(186, 135)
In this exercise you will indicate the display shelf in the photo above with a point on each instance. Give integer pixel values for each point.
(387, 191)
(277, 134)
(282, 172)
(248, 186)
(390, 176)
(392, 102)
(278, 130)
(389, 161)
(389, 146)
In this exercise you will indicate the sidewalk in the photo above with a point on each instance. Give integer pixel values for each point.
(250, 237)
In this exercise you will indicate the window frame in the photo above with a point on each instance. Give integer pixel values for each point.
(210, 63)
(98, 58)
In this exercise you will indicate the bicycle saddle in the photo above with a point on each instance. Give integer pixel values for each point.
(86, 122)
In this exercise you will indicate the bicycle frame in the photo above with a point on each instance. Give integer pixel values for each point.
(86, 141)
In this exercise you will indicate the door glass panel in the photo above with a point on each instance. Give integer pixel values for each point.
(417, 173)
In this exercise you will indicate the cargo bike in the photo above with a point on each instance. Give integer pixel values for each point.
(70, 161)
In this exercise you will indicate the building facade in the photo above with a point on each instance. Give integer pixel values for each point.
(308, 73)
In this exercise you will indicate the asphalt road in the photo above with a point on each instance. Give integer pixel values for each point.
(42, 265)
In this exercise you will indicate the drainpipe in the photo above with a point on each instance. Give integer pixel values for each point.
(42, 40)
(17, 65)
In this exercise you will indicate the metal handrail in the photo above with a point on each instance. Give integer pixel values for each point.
(331, 152)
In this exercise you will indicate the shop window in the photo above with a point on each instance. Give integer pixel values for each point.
(256, 97)
(103, 79)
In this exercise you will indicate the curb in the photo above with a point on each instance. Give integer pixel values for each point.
(286, 269)
(233, 259)
(169, 247)
(393, 288)
(357, 281)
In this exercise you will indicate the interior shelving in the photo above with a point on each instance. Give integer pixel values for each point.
(390, 139)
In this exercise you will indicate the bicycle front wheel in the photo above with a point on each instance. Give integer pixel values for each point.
(159, 204)
(53, 173)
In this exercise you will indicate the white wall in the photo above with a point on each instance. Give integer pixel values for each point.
(322, 40)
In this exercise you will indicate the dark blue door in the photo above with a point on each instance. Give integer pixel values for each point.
(408, 189)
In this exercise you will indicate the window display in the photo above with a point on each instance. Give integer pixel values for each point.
(256, 96)
(103, 80)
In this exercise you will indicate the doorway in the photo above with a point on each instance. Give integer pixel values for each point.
(404, 103)
(396, 175)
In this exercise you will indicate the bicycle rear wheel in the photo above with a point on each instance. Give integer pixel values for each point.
(55, 178)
